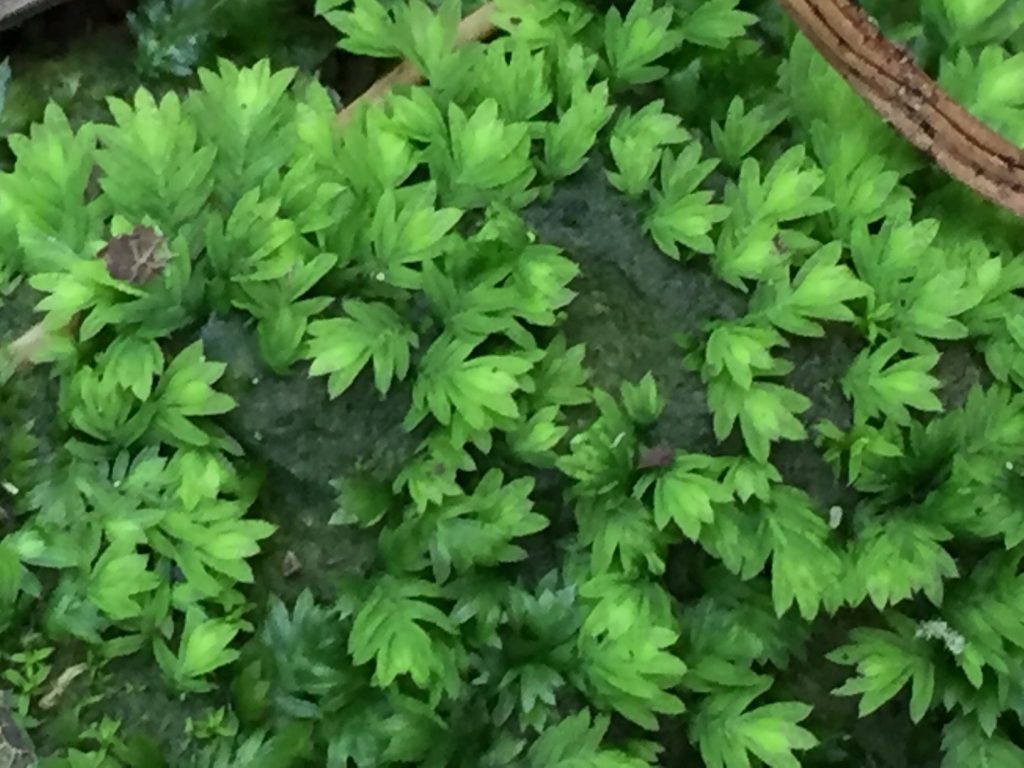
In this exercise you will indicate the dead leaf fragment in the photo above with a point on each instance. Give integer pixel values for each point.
(137, 257)
(658, 456)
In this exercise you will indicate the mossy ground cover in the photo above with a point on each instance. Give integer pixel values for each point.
(627, 394)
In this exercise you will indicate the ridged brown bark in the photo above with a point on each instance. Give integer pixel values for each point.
(887, 77)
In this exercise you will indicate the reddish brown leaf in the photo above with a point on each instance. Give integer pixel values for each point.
(137, 257)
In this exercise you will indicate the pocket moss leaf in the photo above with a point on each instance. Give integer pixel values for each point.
(427, 34)
(186, 391)
(576, 742)
(402, 632)
(728, 731)
(636, 145)
(51, 173)
(476, 530)
(487, 159)
(405, 231)
(119, 576)
(787, 192)
(681, 215)
(806, 569)
(633, 672)
(686, 494)
(375, 156)
(247, 114)
(516, 78)
(895, 558)
(153, 163)
(568, 140)
(743, 129)
(712, 23)
(635, 42)
(622, 537)
(886, 660)
(480, 389)
(203, 648)
(342, 347)
(819, 291)
(965, 744)
(368, 28)
(542, 23)
(879, 386)
(766, 410)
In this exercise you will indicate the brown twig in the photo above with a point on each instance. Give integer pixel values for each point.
(887, 77)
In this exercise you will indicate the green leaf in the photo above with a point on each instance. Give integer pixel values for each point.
(342, 347)
(428, 35)
(541, 23)
(787, 192)
(534, 441)
(864, 444)
(479, 389)
(487, 159)
(681, 215)
(185, 391)
(766, 412)
(636, 145)
(368, 29)
(741, 353)
(633, 672)
(909, 302)
(479, 529)
(374, 156)
(568, 140)
(805, 569)
(516, 78)
(880, 387)
(133, 364)
(642, 400)
(819, 291)
(632, 44)
(986, 610)
(686, 495)
(246, 114)
(896, 557)
(749, 251)
(204, 648)
(119, 578)
(401, 236)
(154, 164)
(576, 742)
(713, 23)
(46, 189)
(742, 129)
(397, 628)
(622, 537)
(965, 744)
(886, 661)
(728, 731)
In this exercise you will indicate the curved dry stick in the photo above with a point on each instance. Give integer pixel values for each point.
(886, 77)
